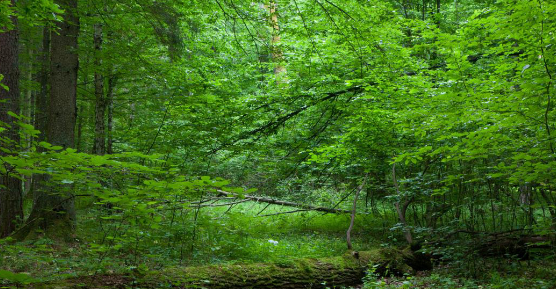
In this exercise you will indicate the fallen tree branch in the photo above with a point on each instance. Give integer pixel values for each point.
(216, 199)
(282, 213)
(220, 205)
(285, 203)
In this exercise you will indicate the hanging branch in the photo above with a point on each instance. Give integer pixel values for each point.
(273, 126)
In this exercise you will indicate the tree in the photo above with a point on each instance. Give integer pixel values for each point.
(53, 209)
(276, 50)
(99, 144)
(11, 209)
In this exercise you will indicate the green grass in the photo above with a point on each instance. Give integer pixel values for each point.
(241, 235)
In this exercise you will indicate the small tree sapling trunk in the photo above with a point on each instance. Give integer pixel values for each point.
(353, 212)
(402, 208)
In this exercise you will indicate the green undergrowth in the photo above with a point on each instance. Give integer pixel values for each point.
(215, 235)
(490, 274)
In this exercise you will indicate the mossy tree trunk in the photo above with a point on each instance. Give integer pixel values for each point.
(345, 270)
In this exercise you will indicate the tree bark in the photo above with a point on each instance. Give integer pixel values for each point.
(11, 209)
(99, 144)
(41, 102)
(332, 272)
(28, 110)
(53, 210)
(276, 50)
(424, 7)
(110, 103)
(63, 78)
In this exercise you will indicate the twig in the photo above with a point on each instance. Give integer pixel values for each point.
(282, 213)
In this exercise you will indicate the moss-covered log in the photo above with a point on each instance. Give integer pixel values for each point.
(346, 270)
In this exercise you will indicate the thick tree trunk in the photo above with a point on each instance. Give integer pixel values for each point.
(63, 79)
(332, 272)
(10, 187)
(53, 210)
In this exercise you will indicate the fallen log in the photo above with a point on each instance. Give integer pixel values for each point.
(517, 243)
(346, 270)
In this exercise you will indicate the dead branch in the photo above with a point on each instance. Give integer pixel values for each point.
(285, 203)
(282, 213)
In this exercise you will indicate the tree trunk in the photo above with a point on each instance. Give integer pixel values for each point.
(63, 79)
(276, 50)
(110, 103)
(53, 210)
(41, 102)
(353, 212)
(99, 144)
(424, 7)
(28, 107)
(402, 209)
(11, 209)
(332, 272)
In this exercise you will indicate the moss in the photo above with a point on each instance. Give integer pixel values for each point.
(344, 270)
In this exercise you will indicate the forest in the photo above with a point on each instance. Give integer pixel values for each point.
(278, 144)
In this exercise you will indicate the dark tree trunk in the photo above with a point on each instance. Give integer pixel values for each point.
(99, 144)
(53, 210)
(41, 102)
(63, 79)
(424, 8)
(10, 187)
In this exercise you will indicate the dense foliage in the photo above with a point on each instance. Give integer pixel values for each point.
(437, 115)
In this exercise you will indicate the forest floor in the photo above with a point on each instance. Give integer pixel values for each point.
(488, 274)
(241, 235)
